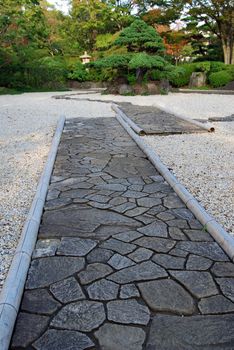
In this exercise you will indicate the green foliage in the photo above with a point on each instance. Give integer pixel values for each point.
(217, 66)
(114, 61)
(219, 79)
(79, 72)
(143, 60)
(140, 37)
(203, 67)
(180, 76)
(131, 78)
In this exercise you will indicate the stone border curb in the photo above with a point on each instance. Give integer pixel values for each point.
(207, 127)
(13, 287)
(133, 125)
(208, 222)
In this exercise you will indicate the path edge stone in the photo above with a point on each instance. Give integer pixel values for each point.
(13, 287)
(220, 235)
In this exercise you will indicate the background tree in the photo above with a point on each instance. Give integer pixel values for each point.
(218, 15)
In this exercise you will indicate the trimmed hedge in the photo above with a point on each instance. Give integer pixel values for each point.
(219, 79)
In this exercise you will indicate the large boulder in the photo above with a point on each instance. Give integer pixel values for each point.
(197, 79)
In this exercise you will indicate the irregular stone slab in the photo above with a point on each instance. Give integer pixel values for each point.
(118, 246)
(28, 328)
(82, 316)
(111, 187)
(128, 311)
(168, 261)
(148, 202)
(179, 223)
(157, 229)
(39, 301)
(178, 252)
(99, 205)
(191, 333)
(209, 250)
(98, 198)
(183, 213)
(159, 245)
(57, 203)
(103, 290)
(217, 304)
(117, 337)
(176, 233)
(67, 290)
(227, 287)
(117, 201)
(168, 296)
(141, 254)
(119, 262)
(99, 255)
(173, 201)
(128, 236)
(84, 217)
(63, 340)
(144, 271)
(136, 211)
(122, 208)
(46, 271)
(93, 272)
(128, 291)
(134, 194)
(200, 284)
(199, 263)
(165, 216)
(136, 180)
(45, 247)
(223, 269)
(76, 246)
(153, 187)
(199, 235)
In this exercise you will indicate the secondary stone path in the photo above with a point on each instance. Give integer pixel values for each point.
(120, 263)
(155, 121)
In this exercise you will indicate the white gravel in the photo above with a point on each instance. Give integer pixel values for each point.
(27, 123)
(204, 163)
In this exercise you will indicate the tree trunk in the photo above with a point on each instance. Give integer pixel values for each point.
(228, 44)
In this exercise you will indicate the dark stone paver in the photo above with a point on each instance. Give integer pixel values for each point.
(155, 121)
(119, 258)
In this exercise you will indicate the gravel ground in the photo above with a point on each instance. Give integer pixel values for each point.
(27, 125)
(204, 163)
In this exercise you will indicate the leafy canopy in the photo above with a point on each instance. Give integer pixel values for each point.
(140, 37)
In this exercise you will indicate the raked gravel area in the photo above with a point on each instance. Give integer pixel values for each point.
(204, 163)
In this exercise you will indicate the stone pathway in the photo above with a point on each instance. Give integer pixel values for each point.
(120, 263)
(157, 122)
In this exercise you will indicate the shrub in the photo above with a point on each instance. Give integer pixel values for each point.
(230, 70)
(203, 67)
(221, 78)
(180, 76)
(216, 66)
(78, 73)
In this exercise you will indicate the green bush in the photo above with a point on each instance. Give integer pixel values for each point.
(216, 66)
(79, 72)
(219, 79)
(203, 67)
(230, 70)
(132, 78)
(180, 76)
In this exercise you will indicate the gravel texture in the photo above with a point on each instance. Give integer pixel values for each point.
(204, 163)
(27, 125)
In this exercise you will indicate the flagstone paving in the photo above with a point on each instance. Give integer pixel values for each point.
(120, 263)
(154, 121)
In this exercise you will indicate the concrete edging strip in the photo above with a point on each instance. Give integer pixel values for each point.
(207, 127)
(13, 287)
(208, 222)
